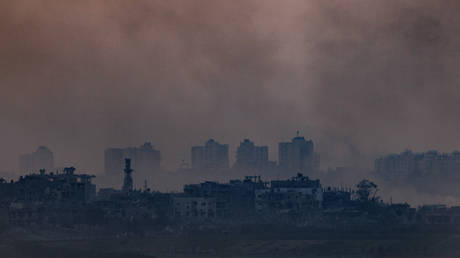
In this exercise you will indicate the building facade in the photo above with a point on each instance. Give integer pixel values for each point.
(296, 195)
(145, 161)
(194, 207)
(42, 158)
(298, 155)
(43, 187)
(406, 164)
(212, 155)
(250, 156)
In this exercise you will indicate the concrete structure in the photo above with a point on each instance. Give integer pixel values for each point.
(145, 159)
(194, 207)
(298, 194)
(250, 156)
(298, 155)
(42, 187)
(406, 164)
(65, 199)
(335, 198)
(232, 199)
(212, 155)
(42, 158)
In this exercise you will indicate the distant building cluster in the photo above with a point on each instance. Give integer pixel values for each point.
(408, 164)
(42, 197)
(212, 155)
(145, 158)
(67, 198)
(297, 155)
(42, 158)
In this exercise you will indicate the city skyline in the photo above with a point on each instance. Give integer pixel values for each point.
(131, 152)
(369, 79)
(217, 128)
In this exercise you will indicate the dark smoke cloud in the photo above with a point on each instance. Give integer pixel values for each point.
(359, 77)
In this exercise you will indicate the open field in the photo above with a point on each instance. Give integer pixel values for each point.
(269, 245)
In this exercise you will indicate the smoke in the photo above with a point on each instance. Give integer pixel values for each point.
(359, 77)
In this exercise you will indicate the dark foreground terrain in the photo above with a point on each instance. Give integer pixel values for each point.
(409, 242)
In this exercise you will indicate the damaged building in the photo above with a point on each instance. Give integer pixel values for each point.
(47, 196)
(296, 195)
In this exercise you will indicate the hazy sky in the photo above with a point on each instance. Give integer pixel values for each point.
(360, 77)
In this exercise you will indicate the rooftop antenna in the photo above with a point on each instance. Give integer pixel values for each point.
(297, 133)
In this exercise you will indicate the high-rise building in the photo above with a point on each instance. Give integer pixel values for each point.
(396, 167)
(409, 164)
(145, 159)
(298, 155)
(250, 156)
(210, 156)
(42, 158)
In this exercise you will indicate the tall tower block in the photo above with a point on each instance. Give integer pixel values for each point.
(128, 181)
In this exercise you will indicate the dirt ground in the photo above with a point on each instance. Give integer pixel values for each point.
(254, 245)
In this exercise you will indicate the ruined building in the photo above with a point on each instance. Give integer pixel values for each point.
(48, 197)
(218, 200)
(197, 208)
(50, 187)
(297, 195)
